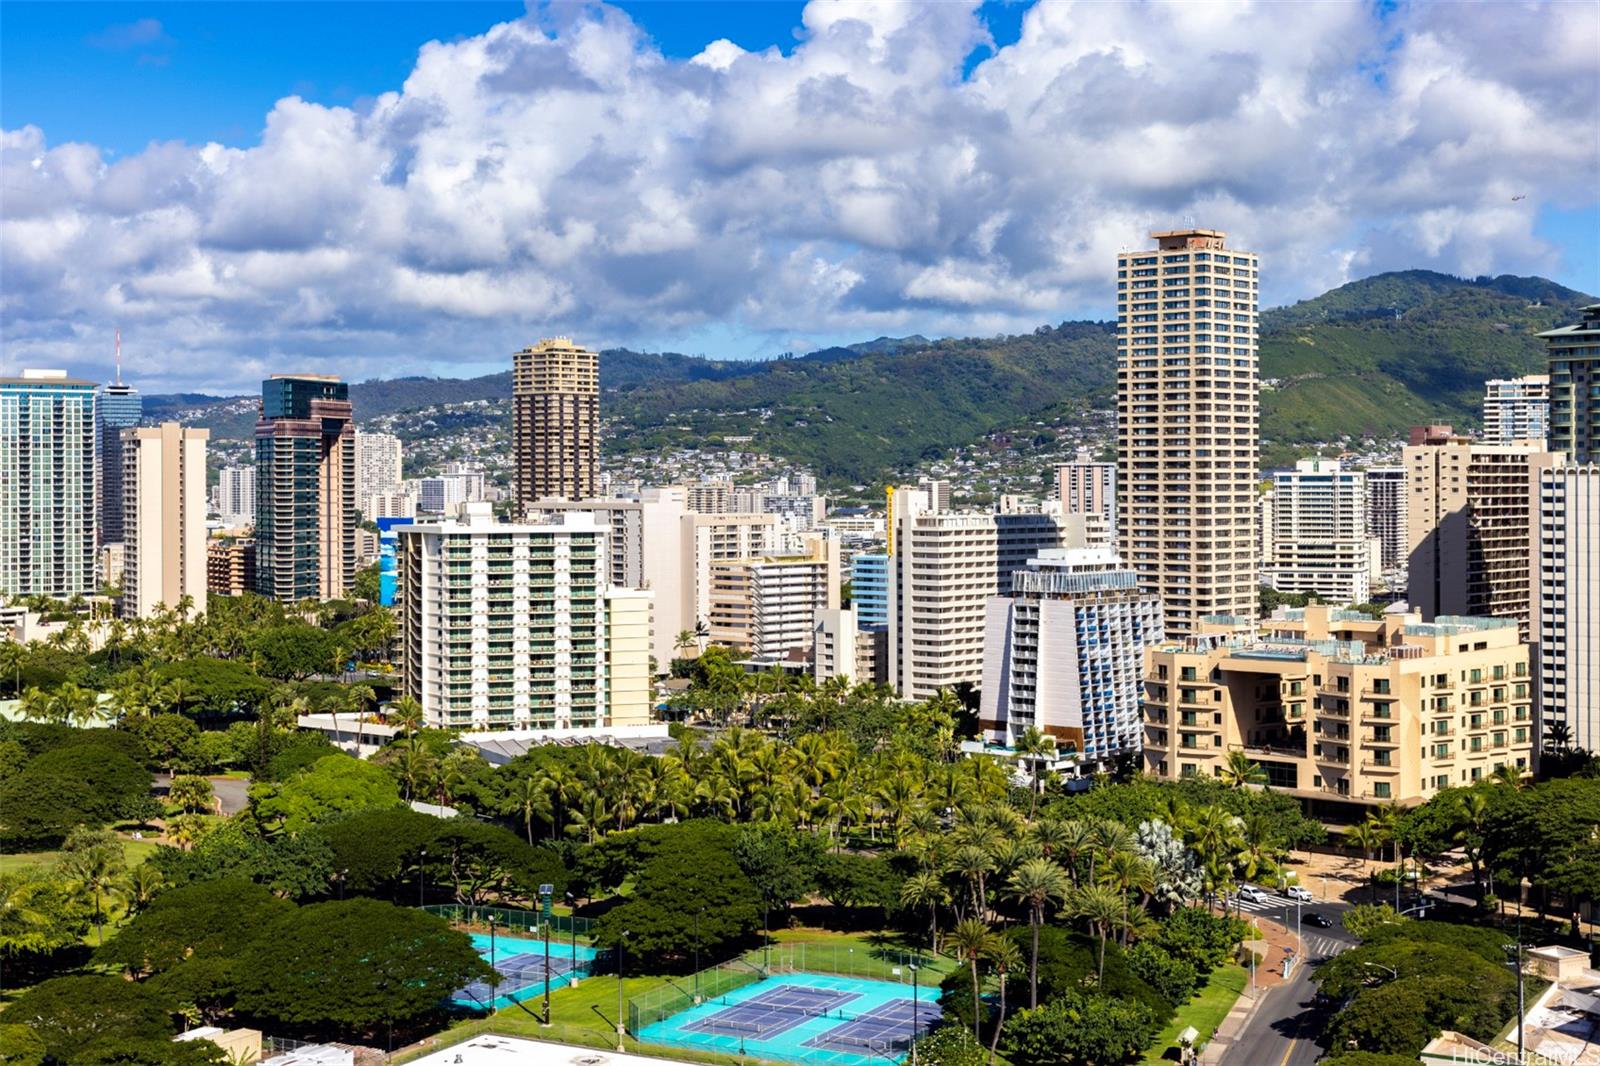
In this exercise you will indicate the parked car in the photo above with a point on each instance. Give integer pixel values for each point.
(1297, 893)
(1318, 919)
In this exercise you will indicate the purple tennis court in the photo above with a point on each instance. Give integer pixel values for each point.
(885, 1027)
(772, 1012)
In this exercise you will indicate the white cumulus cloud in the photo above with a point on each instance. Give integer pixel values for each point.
(558, 174)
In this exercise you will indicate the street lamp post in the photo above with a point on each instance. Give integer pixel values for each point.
(622, 1027)
(546, 973)
(422, 875)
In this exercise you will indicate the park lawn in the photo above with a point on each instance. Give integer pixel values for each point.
(1205, 1011)
(134, 852)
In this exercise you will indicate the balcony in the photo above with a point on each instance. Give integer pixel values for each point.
(1375, 766)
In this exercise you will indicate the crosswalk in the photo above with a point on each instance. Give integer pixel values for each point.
(1322, 948)
(1271, 903)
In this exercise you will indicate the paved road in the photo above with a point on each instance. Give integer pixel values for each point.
(1285, 1027)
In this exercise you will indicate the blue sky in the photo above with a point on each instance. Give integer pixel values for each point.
(932, 168)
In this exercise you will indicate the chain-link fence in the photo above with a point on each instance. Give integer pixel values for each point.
(564, 928)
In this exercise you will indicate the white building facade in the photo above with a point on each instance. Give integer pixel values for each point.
(236, 496)
(377, 462)
(506, 626)
(1319, 543)
(1517, 409)
(1065, 652)
(1567, 605)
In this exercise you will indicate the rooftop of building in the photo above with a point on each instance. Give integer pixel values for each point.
(1296, 634)
(1590, 326)
(44, 377)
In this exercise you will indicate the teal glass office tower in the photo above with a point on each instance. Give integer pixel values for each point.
(46, 485)
(118, 407)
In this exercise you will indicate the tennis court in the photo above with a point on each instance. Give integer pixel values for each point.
(818, 1019)
(521, 965)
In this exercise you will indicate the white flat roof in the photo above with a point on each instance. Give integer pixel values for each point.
(500, 1050)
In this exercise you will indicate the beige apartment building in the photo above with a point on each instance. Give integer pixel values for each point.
(1088, 487)
(767, 607)
(1188, 415)
(1339, 708)
(555, 420)
(163, 518)
(1469, 516)
(231, 566)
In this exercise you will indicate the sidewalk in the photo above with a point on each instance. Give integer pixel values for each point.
(1274, 947)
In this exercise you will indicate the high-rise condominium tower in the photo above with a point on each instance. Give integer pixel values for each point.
(377, 463)
(1187, 419)
(46, 485)
(1575, 387)
(1516, 409)
(165, 489)
(1567, 602)
(1386, 512)
(305, 488)
(1319, 541)
(555, 421)
(1471, 513)
(116, 408)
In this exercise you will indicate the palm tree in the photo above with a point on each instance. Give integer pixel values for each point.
(12, 656)
(926, 889)
(1035, 883)
(530, 798)
(407, 714)
(140, 887)
(1102, 909)
(1557, 735)
(37, 705)
(973, 863)
(1507, 774)
(180, 693)
(1035, 746)
(1074, 840)
(1471, 821)
(1367, 836)
(973, 941)
(1005, 957)
(98, 870)
(1240, 770)
(76, 704)
(190, 792)
(1128, 872)
(357, 699)
(415, 765)
(25, 925)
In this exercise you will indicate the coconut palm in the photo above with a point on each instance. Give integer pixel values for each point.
(1036, 883)
(926, 889)
(140, 886)
(1368, 836)
(76, 704)
(1239, 770)
(973, 940)
(1101, 908)
(1005, 958)
(1129, 873)
(25, 920)
(37, 706)
(406, 713)
(98, 871)
(1035, 746)
(974, 865)
(1074, 840)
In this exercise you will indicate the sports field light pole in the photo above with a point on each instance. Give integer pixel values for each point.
(697, 915)
(572, 930)
(546, 973)
(915, 1016)
(422, 874)
(493, 919)
(621, 1025)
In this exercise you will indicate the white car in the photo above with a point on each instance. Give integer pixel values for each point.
(1252, 893)
(1300, 895)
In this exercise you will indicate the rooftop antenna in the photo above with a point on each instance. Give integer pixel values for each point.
(1188, 220)
(119, 357)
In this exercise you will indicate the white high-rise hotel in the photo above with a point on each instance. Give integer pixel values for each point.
(1567, 601)
(1319, 542)
(1187, 420)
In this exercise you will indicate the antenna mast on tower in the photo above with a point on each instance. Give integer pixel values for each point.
(119, 357)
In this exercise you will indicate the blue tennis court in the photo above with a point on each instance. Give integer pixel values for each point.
(521, 965)
(817, 1019)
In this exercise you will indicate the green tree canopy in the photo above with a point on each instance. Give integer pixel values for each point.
(354, 964)
(673, 889)
(78, 1018)
(1079, 1029)
(294, 651)
(334, 785)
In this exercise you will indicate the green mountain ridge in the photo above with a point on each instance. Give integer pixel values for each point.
(1370, 358)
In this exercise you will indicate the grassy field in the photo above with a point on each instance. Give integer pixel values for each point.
(586, 1015)
(133, 851)
(1205, 1011)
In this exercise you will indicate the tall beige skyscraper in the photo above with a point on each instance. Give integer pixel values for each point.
(1188, 415)
(1471, 512)
(555, 421)
(164, 518)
